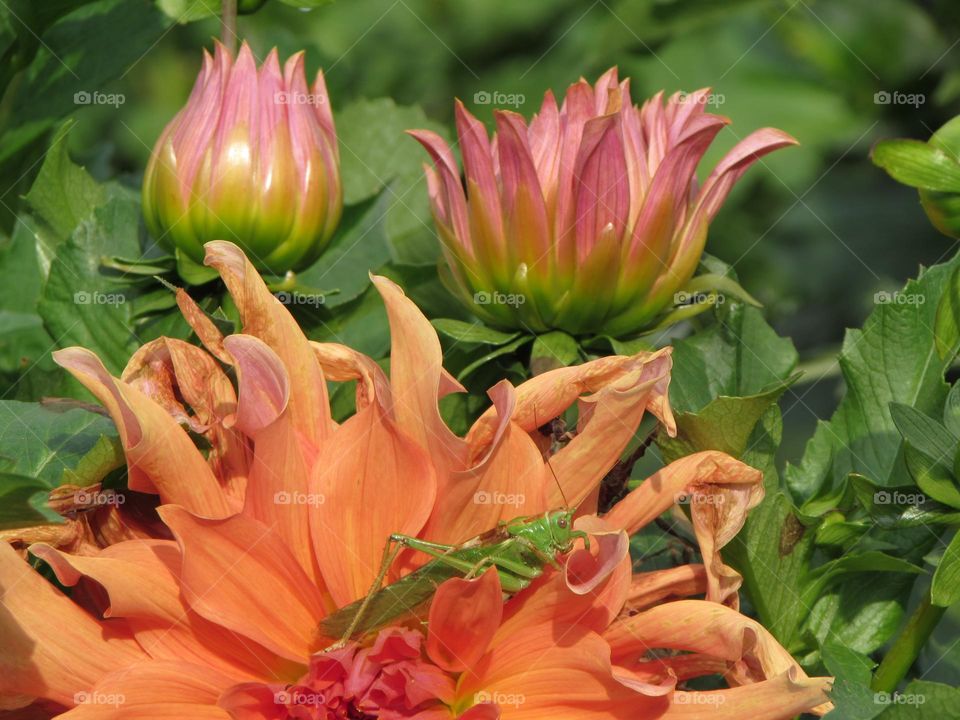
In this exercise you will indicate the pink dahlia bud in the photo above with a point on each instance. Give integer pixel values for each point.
(253, 159)
(589, 218)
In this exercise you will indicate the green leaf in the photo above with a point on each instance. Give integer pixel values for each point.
(358, 248)
(929, 453)
(63, 193)
(81, 305)
(725, 424)
(186, 11)
(40, 448)
(945, 590)
(892, 359)
(922, 700)
(951, 410)
(475, 332)
(918, 164)
(377, 155)
(553, 350)
(947, 320)
(871, 561)
(493, 355)
(852, 697)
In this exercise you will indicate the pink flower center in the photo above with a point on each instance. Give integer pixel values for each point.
(388, 680)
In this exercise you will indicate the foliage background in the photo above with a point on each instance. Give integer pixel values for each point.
(813, 232)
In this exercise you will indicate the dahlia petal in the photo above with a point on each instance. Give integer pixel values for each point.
(240, 574)
(464, 616)
(533, 675)
(374, 481)
(51, 648)
(286, 449)
(707, 628)
(602, 190)
(341, 364)
(649, 588)
(780, 698)
(721, 490)
(157, 690)
(150, 438)
(736, 162)
(264, 387)
(509, 480)
(452, 201)
(141, 579)
(485, 711)
(207, 332)
(417, 379)
(584, 570)
(171, 371)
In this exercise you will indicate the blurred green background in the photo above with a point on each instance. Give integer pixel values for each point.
(812, 231)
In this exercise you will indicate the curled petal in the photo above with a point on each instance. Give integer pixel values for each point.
(649, 588)
(464, 616)
(586, 569)
(264, 388)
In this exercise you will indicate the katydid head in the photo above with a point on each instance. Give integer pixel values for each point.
(560, 526)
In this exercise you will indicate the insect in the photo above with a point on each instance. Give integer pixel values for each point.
(519, 549)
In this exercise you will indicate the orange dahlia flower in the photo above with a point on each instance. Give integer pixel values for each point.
(283, 517)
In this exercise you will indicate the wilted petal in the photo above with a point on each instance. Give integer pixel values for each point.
(150, 438)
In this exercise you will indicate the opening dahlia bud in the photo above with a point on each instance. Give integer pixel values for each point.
(589, 218)
(252, 158)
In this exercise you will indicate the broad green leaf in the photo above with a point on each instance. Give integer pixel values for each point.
(493, 355)
(945, 590)
(851, 694)
(377, 155)
(725, 424)
(186, 11)
(553, 350)
(358, 249)
(900, 507)
(929, 452)
(81, 304)
(918, 164)
(475, 332)
(819, 579)
(63, 193)
(921, 700)
(892, 359)
(951, 410)
(947, 319)
(40, 448)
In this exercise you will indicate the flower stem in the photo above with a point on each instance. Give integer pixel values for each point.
(228, 25)
(905, 649)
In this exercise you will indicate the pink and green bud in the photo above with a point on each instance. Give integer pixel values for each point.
(252, 158)
(589, 218)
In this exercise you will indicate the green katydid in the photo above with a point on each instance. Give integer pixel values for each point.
(519, 549)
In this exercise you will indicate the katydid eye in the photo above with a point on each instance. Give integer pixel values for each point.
(562, 523)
